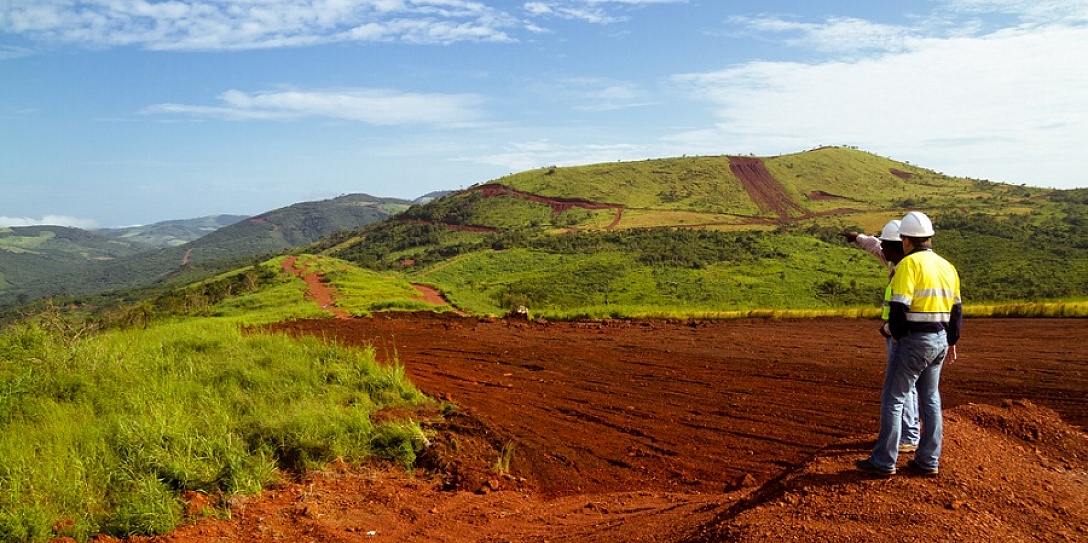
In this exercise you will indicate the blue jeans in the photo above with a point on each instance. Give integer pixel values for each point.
(909, 431)
(917, 362)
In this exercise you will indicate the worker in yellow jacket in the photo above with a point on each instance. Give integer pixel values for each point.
(926, 314)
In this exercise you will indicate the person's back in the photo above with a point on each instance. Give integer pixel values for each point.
(925, 292)
(925, 317)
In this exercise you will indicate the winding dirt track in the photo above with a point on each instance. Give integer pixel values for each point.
(316, 289)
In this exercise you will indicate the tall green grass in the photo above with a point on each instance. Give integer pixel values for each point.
(102, 434)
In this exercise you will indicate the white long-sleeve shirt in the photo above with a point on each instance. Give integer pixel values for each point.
(872, 244)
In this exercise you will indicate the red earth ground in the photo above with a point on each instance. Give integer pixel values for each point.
(700, 431)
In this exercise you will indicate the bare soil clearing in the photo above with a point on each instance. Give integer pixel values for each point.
(696, 431)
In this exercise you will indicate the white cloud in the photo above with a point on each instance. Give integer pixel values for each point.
(595, 93)
(53, 220)
(965, 104)
(381, 107)
(225, 25)
(837, 34)
(8, 52)
(590, 11)
(254, 24)
(1068, 11)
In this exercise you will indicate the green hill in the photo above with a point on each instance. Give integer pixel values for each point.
(171, 233)
(684, 236)
(719, 234)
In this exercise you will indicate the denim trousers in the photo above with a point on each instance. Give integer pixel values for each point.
(909, 431)
(917, 363)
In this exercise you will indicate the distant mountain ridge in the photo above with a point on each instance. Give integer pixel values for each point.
(43, 261)
(173, 232)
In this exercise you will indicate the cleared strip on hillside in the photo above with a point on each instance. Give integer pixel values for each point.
(763, 188)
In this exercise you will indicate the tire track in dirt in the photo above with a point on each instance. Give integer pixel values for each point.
(763, 188)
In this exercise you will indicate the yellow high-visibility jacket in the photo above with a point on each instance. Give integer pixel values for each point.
(925, 296)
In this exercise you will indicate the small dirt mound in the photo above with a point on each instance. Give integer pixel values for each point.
(470, 457)
(1009, 473)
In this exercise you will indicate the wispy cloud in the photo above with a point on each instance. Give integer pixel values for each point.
(590, 11)
(218, 25)
(52, 220)
(965, 98)
(254, 24)
(595, 93)
(11, 51)
(1025, 10)
(381, 107)
(837, 34)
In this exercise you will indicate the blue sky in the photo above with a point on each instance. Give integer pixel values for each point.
(122, 112)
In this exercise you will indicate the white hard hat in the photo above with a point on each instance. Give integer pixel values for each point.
(890, 231)
(916, 225)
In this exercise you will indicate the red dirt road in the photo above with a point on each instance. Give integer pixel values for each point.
(622, 406)
(701, 431)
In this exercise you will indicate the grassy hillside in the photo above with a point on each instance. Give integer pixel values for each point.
(705, 235)
(105, 430)
(681, 236)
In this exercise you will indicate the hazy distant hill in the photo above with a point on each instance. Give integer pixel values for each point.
(39, 265)
(172, 233)
(39, 254)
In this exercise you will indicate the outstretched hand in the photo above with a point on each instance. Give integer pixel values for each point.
(850, 236)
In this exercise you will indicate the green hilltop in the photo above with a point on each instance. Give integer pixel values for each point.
(719, 235)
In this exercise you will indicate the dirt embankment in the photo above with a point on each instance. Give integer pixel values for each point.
(697, 431)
